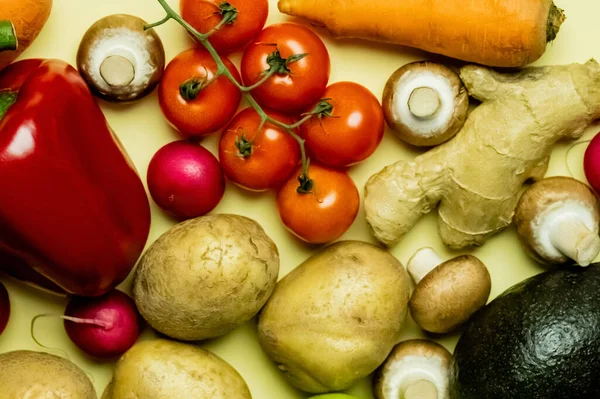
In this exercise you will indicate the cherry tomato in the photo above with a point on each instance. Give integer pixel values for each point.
(204, 15)
(323, 213)
(350, 131)
(301, 61)
(191, 102)
(258, 159)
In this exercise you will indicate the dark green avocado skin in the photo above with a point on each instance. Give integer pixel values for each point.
(540, 339)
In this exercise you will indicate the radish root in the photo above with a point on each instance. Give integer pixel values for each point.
(32, 333)
(571, 147)
(100, 323)
(476, 176)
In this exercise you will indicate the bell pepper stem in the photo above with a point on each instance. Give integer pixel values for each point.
(8, 36)
(7, 99)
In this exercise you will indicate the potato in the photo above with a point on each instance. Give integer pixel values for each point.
(108, 391)
(336, 317)
(206, 276)
(27, 374)
(162, 369)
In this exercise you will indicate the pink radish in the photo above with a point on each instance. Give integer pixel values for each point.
(4, 308)
(185, 179)
(591, 163)
(104, 327)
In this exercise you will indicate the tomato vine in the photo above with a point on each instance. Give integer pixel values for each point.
(305, 182)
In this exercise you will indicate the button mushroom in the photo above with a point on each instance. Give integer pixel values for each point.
(425, 103)
(119, 60)
(558, 219)
(416, 369)
(446, 293)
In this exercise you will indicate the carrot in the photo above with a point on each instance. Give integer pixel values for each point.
(28, 18)
(500, 33)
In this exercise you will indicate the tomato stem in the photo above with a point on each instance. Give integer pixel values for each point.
(278, 64)
(265, 77)
(155, 24)
(244, 146)
(305, 184)
(301, 121)
(222, 70)
(229, 14)
(190, 89)
(323, 108)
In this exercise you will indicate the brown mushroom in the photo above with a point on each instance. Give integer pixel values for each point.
(416, 369)
(119, 60)
(446, 293)
(425, 103)
(557, 220)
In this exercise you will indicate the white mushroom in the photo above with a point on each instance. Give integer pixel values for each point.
(119, 60)
(425, 103)
(416, 369)
(558, 219)
(447, 293)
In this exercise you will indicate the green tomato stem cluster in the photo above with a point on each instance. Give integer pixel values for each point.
(223, 71)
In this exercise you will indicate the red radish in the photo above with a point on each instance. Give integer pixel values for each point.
(185, 179)
(104, 327)
(4, 308)
(591, 163)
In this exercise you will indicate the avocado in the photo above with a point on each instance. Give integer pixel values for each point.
(539, 339)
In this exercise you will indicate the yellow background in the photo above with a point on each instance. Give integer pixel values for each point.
(143, 131)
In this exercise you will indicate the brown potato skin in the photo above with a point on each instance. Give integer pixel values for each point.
(206, 276)
(336, 317)
(162, 369)
(107, 391)
(27, 374)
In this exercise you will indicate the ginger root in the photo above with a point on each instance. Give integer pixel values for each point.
(476, 176)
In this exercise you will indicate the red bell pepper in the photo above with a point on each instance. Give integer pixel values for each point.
(74, 215)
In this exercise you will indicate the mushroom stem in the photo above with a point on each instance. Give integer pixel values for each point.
(422, 262)
(424, 102)
(573, 238)
(422, 389)
(8, 36)
(117, 71)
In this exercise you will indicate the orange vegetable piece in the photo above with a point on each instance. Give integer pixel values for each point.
(506, 33)
(28, 17)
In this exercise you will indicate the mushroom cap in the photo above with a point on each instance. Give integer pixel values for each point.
(449, 295)
(453, 107)
(545, 196)
(410, 362)
(124, 36)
